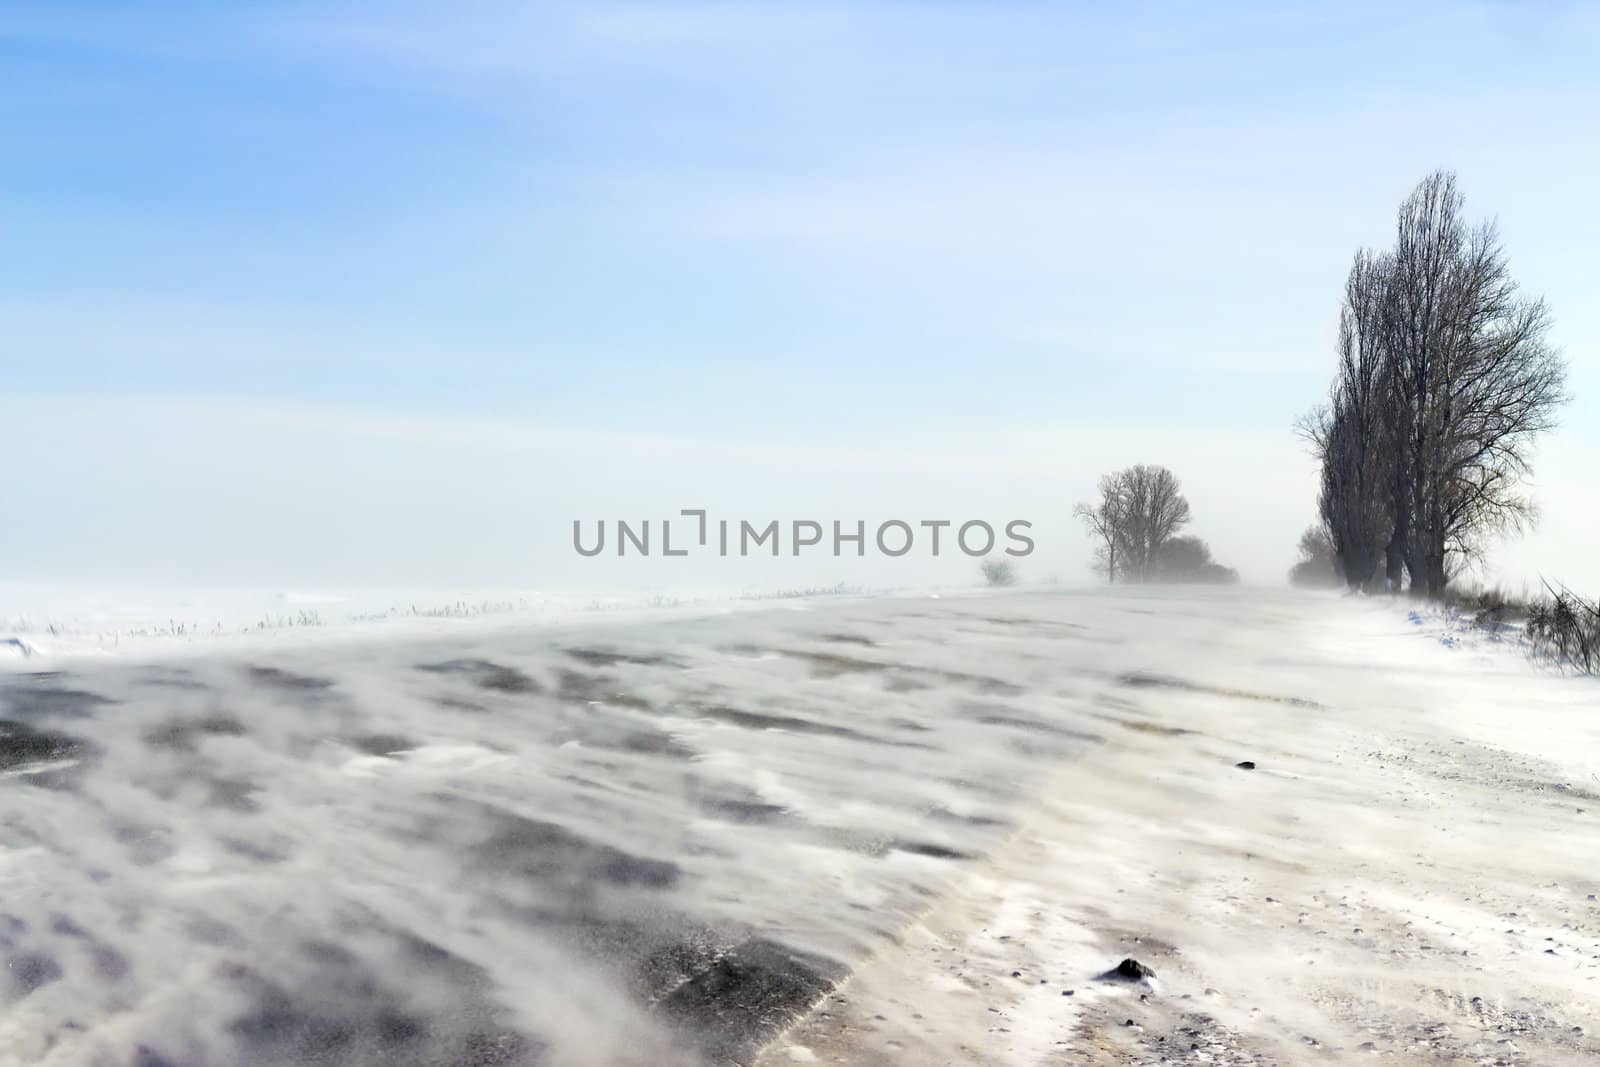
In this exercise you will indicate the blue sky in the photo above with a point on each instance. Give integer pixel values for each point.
(741, 225)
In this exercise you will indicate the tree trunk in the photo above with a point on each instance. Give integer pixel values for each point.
(1399, 547)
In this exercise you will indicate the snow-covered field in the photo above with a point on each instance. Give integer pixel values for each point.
(56, 623)
(879, 830)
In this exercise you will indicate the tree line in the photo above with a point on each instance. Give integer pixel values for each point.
(1444, 379)
(1135, 522)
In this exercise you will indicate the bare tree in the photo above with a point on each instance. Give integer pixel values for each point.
(1155, 510)
(1103, 519)
(1499, 385)
(1140, 509)
(1354, 433)
(1361, 448)
(1429, 235)
(1444, 380)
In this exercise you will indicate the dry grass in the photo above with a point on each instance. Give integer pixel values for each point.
(1566, 628)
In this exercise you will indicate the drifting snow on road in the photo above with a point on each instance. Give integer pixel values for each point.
(851, 832)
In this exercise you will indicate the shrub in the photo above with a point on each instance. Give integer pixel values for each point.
(1566, 628)
(999, 572)
(1188, 559)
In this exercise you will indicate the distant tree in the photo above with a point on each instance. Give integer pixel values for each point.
(1188, 559)
(1215, 574)
(1318, 566)
(1182, 556)
(1155, 511)
(1104, 520)
(1140, 509)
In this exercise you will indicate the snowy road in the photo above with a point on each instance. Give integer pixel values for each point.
(665, 842)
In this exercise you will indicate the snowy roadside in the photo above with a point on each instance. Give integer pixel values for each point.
(1405, 874)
